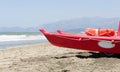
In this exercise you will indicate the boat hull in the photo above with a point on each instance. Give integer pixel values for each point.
(77, 42)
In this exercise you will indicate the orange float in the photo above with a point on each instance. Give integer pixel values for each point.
(99, 32)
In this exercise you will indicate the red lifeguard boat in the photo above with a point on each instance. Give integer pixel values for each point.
(108, 42)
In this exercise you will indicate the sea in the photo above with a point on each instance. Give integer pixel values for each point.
(13, 39)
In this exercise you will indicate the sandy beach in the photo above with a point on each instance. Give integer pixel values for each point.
(45, 57)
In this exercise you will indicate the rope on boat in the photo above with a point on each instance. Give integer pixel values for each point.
(79, 39)
(86, 39)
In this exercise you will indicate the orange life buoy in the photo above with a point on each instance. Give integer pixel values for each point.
(99, 32)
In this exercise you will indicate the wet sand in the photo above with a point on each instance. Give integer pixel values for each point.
(45, 57)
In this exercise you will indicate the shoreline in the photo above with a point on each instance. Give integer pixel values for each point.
(21, 46)
(13, 44)
(44, 57)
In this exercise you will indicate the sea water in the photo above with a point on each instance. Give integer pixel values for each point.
(18, 38)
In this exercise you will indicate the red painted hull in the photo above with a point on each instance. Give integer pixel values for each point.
(83, 42)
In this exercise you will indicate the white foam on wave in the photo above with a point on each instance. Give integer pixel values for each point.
(20, 37)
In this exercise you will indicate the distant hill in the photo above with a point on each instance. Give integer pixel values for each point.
(18, 29)
(82, 23)
(70, 25)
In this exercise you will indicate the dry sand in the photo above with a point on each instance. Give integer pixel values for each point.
(47, 58)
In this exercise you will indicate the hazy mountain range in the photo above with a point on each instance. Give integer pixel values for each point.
(70, 25)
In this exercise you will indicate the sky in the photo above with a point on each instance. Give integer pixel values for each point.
(29, 13)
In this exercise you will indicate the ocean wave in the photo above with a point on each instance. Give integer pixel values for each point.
(21, 37)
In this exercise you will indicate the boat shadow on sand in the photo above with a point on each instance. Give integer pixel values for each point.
(87, 55)
(97, 55)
